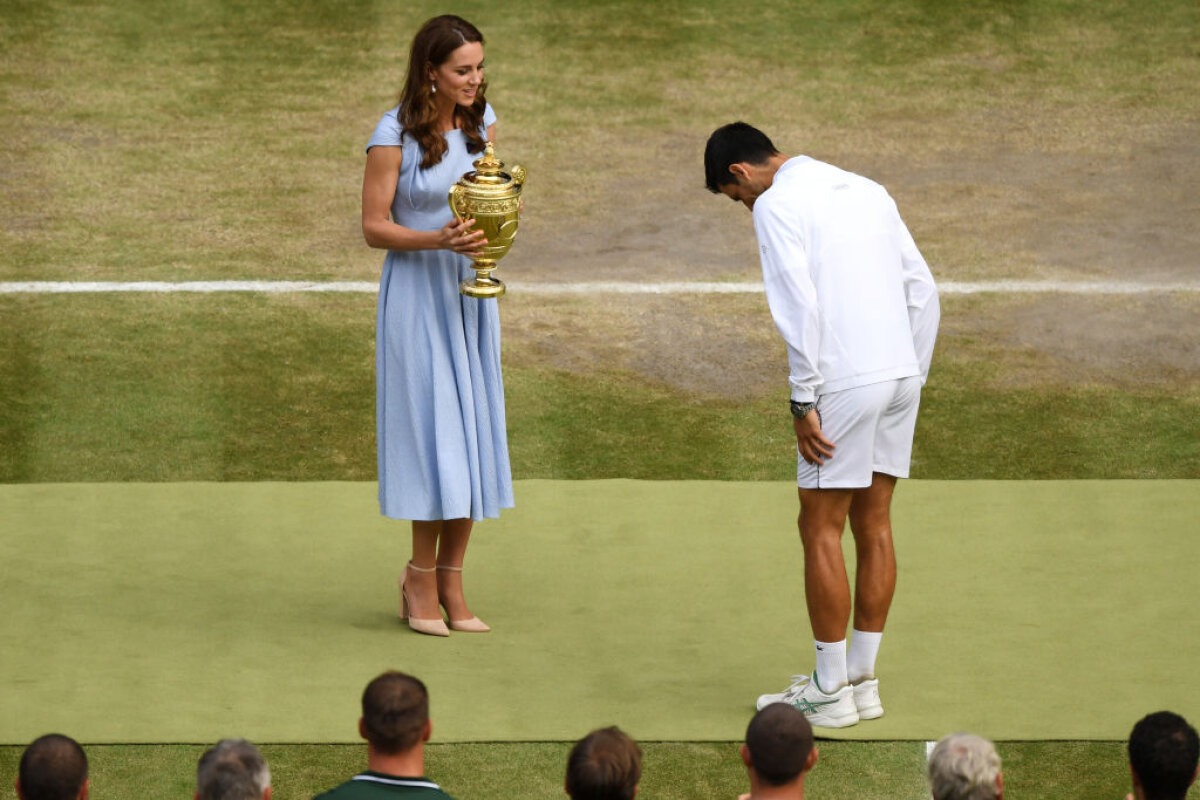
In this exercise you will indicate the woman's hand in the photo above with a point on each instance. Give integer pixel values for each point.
(457, 236)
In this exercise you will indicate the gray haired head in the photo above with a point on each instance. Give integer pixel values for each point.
(233, 769)
(963, 766)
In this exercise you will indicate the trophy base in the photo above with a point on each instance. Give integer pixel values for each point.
(482, 287)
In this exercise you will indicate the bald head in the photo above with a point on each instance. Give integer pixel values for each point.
(53, 767)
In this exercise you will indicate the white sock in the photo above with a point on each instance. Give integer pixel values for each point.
(831, 666)
(860, 661)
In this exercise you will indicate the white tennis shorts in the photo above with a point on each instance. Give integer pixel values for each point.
(872, 428)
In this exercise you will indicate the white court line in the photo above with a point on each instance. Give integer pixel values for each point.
(610, 287)
(272, 287)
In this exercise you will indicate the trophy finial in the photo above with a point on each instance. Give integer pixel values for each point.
(488, 165)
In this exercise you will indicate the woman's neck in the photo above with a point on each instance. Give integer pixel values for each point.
(446, 115)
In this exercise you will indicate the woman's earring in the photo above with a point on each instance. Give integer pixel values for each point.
(432, 87)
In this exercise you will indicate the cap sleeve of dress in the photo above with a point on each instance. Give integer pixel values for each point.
(489, 116)
(387, 132)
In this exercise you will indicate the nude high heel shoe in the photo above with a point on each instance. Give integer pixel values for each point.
(433, 627)
(470, 625)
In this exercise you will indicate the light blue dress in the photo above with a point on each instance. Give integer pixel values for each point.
(439, 416)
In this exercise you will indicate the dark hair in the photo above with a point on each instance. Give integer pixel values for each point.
(232, 769)
(1164, 751)
(604, 765)
(53, 767)
(734, 143)
(779, 739)
(395, 708)
(432, 46)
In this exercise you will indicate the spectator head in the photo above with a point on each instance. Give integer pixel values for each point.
(779, 746)
(604, 765)
(233, 769)
(963, 766)
(53, 767)
(395, 713)
(1163, 755)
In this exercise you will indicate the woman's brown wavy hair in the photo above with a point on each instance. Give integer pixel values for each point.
(432, 46)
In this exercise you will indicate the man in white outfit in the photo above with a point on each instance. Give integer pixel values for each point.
(858, 310)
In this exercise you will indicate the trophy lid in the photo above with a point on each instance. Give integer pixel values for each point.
(488, 169)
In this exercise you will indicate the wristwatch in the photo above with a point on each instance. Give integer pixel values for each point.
(800, 410)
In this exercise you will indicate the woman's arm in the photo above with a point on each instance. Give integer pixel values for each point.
(379, 190)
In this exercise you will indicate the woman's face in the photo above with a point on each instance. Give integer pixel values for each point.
(460, 75)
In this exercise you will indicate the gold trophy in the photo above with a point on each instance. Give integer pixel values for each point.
(492, 198)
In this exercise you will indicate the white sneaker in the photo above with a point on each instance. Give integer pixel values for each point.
(866, 699)
(835, 710)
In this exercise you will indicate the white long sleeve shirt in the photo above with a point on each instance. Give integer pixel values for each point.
(850, 293)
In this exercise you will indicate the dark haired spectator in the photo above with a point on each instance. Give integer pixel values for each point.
(233, 769)
(604, 765)
(395, 723)
(778, 753)
(53, 767)
(1163, 755)
(963, 766)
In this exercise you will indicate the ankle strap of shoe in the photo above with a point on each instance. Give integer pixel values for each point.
(415, 568)
(451, 569)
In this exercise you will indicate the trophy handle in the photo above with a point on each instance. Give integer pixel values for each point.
(518, 176)
(458, 201)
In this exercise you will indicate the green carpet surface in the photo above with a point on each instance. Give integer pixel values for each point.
(188, 612)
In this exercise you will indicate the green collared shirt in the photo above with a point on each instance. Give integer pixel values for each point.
(377, 786)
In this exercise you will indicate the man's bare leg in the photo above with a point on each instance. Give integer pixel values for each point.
(875, 583)
(871, 524)
(826, 587)
(828, 701)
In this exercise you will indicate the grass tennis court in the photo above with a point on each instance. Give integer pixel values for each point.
(180, 610)
(206, 140)
(183, 608)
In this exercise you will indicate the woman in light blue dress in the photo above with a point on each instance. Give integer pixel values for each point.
(443, 446)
